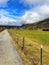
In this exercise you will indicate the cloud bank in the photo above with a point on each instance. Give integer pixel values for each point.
(3, 2)
(31, 2)
(6, 18)
(36, 13)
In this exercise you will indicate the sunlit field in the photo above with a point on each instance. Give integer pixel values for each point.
(32, 41)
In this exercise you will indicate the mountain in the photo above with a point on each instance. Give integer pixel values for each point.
(38, 25)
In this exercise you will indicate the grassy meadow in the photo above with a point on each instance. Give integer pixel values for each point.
(33, 39)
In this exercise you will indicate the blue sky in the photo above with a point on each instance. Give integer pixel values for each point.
(18, 12)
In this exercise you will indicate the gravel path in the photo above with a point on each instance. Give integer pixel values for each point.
(8, 53)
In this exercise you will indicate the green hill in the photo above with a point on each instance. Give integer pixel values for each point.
(38, 25)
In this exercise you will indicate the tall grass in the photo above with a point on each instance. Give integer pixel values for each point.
(39, 35)
(33, 40)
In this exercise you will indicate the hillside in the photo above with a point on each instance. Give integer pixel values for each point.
(41, 24)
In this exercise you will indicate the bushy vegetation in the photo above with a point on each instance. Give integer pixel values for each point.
(33, 40)
(1, 29)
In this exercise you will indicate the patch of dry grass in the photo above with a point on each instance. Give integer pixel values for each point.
(31, 53)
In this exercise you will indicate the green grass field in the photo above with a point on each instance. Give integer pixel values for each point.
(33, 40)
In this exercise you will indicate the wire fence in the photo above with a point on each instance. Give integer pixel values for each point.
(33, 51)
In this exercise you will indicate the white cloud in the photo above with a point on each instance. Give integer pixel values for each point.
(34, 2)
(30, 2)
(36, 14)
(3, 2)
(6, 20)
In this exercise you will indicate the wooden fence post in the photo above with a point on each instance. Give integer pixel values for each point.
(23, 43)
(17, 39)
(41, 55)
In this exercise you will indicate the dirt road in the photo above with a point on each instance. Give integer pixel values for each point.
(8, 53)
